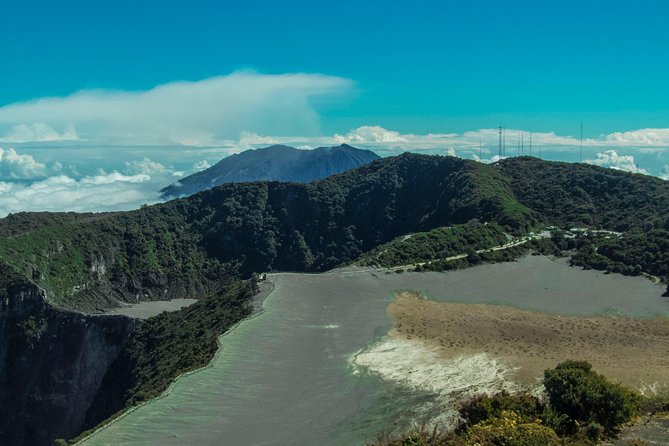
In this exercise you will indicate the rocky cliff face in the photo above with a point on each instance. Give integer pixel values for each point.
(51, 363)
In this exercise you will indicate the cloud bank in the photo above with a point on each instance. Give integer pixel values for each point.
(28, 185)
(392, 141)
(19, 167)
(198, 113)
(643, 137)
(114, 191)
(39, 132)
(613, 160)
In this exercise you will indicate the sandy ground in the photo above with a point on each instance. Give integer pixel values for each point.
(634, 352)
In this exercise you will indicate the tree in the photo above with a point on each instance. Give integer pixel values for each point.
(300, 252)
(473, 257)
(575, 390)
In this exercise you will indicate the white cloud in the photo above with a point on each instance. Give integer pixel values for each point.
(62, 193)
(665, 173)
(372, 134)
(201, 165)
(190, 113)
(38, 132)
(103, 192)
(641, 137)
(145, 166)
(16, 166)
(613, 160)
(138, 184)
(491, 160)
(110, 178)
(247, 139)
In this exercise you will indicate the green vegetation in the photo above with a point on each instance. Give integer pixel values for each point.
(9, 280)
(576, 195)
(582, 409)
(321, 225)
(182, 248)
(485, 407)
(88, 263)
(434, 245)
(577, 392)
(633, 253)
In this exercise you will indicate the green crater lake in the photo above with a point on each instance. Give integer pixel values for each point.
(284, 377)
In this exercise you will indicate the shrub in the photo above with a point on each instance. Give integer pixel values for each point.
(594, 431)
(575, 390)
(510, 430)
(485, 407)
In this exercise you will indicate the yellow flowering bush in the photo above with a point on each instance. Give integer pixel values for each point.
(510, 430)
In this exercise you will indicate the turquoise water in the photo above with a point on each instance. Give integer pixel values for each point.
(284, 378)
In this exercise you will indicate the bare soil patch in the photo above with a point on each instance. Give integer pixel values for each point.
(634, 352)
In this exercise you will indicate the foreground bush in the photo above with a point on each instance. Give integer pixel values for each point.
(485, 407)
(582, 409)
(509, 429)
(583, 395)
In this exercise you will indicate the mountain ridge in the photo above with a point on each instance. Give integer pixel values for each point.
(273, 163)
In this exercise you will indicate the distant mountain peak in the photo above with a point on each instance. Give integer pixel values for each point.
(274, 163)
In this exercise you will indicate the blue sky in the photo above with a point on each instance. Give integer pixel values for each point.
(420, 66)
(124, 97)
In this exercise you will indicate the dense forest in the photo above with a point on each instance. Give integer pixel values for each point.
(205, 245)
(90, 260)
(633, 253)
(436, 244)
(583, 195)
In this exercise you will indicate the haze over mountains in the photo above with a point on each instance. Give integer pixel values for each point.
(274, 163)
